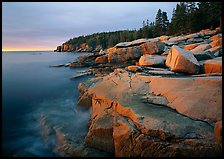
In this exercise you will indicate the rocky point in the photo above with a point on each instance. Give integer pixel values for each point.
(158, 97)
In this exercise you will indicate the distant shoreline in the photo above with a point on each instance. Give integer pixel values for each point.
(28, 51)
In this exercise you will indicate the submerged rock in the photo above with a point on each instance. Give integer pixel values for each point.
(58, 65)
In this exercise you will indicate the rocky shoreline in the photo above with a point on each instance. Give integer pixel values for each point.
(158, 97)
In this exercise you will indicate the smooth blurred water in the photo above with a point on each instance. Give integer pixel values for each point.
(31, 88)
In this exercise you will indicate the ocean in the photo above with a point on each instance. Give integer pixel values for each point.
(31, 91)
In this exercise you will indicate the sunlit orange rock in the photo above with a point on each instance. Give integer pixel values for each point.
(119, 55)
(201, 48)
(180, 60)
(153, 47)
(164, 38)
(213, 65)
(218, 131)
(134, 68)
(216, 37)
(121, 123)
(215, 49)
(190, 46)
(102, 59)
(217, 42)
(152, 60)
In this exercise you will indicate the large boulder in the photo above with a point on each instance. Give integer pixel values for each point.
(216, 37)
(177, 39)
(134, 68)
(102, 59)
(180, 60)
(217, 42)
(132, 43)
(201, 48)
(213, 65)
(208, 32)
(119, 55)
(164, 38)
(204, 55)
(152, 60)
(194, 35)
(215, 49)
(153, 47)
(190, 46)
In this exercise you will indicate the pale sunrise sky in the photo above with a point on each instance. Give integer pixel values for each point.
(44, 25)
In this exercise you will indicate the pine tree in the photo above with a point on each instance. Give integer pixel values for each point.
(158, 23)
(179, 19)
(165, 22)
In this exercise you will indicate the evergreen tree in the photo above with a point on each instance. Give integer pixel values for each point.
(158, 23)
(165, 22)
(187, 17)
(161, 23)
(179, 19)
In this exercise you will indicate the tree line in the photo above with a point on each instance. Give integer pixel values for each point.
(187, 17)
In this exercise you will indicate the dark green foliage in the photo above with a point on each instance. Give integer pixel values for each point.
(161, 23)
(189, 17)
(105, 39)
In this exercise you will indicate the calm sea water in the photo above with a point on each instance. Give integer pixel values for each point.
(30, 89)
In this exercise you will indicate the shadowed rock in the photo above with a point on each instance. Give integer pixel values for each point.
(204, 55)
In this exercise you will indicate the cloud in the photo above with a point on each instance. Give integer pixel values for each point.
(26, 22)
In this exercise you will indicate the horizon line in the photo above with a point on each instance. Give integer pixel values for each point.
(23, 50)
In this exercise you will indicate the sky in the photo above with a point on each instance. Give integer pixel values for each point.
(42, 26)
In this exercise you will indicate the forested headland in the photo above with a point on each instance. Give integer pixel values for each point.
(187, 17)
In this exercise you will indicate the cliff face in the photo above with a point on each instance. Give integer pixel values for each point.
(64, 48)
